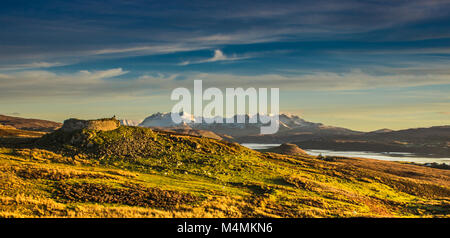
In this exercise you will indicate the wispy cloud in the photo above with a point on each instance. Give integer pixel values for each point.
(101, 74)
(33, 65)
(324, 81)
(218, 56)
(88, 84)
(154, 49)
(31, 84)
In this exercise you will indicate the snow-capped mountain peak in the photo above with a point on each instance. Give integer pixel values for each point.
(125, 122)
(165, 120)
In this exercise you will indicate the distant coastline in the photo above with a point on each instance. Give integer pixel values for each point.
(380, 155)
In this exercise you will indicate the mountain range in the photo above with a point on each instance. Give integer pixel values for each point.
(432, 141)
(291, 124)
(310, 135)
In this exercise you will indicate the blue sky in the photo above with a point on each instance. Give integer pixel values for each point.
(359, 64)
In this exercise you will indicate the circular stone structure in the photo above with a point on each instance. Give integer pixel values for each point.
(106, 124)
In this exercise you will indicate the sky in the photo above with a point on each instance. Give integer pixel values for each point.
(363, 65)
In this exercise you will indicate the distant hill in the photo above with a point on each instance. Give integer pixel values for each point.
(7, 132)
(432, 141)
(9, 135)
(413, 134)
(29, 124)
(384, 130)
(286, 149)
(6, 127)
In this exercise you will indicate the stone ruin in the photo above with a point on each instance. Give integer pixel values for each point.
(106, 124)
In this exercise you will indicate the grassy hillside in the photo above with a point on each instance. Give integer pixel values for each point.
(15, 133)
(29, 124)
(137, 172)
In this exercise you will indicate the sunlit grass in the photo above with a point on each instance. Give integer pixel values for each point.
(220, 179)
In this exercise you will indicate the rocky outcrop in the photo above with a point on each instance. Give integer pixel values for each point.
(106, 124)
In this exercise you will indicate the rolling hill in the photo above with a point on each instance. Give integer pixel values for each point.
(140, 172)
(29, 124)
(9, 132)
(432, 141)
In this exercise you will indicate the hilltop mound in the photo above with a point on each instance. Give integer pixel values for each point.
(29, 124)
(287, 149)
(132, 145)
